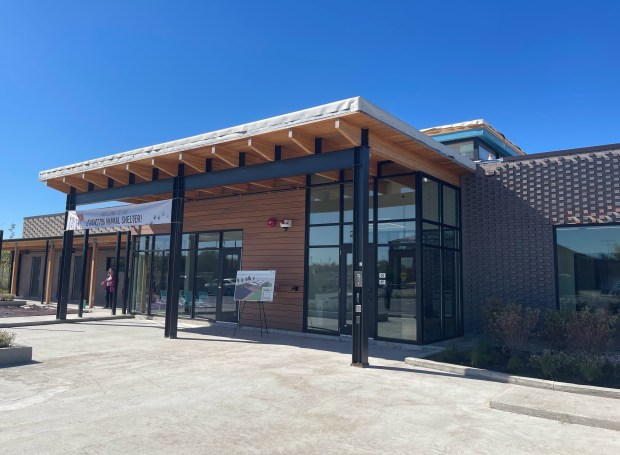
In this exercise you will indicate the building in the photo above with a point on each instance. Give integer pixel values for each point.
(436, 222)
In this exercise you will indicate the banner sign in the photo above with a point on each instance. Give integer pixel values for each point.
(255, 285)
(158, 212)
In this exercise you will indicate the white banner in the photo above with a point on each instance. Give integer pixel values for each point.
(158, 212)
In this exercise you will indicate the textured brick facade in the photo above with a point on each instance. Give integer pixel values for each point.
(509, 210)
(50, 226)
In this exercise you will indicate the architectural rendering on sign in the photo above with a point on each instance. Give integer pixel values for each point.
(435, 222)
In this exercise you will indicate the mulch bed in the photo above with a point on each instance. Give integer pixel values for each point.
(16, 311)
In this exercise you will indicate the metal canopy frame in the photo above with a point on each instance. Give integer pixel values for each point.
(357, 158)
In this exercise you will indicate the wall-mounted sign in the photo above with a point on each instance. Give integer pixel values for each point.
(255, 285)
(158, 212)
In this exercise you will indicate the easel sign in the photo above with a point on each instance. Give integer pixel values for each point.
(255, 285)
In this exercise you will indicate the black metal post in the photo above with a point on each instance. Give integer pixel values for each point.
(361, 307)
(65, 266)
(126, 280)
(116, 262)
(83, 274)
(47, 250)
(174, 258)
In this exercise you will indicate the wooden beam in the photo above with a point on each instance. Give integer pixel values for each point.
(195, 162)
(50, 273)
(58, 185)
(237, 188)
(262, 148)
(297, 181)
(144, 171)
(349, 132)
(96, 179)
(76, 182)
(118, 175)
(394, 153)
(223, 154)
(14, 271)
(305, 142)
(264, 184)
(93, 275)
(170, 168)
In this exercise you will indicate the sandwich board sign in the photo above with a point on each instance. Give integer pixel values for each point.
(255, 285)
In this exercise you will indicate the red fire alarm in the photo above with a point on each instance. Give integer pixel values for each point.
(272, 222)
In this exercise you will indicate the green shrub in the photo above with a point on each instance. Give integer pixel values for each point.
(557, 327)
(515, 363)
(591, 367)
(481, 355)
(7, 297)
(451, 354)
(592, 331)
(511, 325)
(6, 338)
(552, 364)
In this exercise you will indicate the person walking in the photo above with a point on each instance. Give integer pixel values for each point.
(109, 288)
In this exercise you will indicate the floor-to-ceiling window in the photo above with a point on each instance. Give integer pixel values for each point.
(441, 260)
(414, 245)
(209, 263)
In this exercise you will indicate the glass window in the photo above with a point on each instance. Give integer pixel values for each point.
(233, 239)
(431, 293)
(484, 154)
(396, 198)
(451, 293)
(402, 232)
(323, 288)
(209, 240)
(185, 241)
(162, 242)
(463, 148)
(450, 206)
(319, 179)
(430, 199)
(450, 237)
(588, 267)
(144, 242)
(324, 235)
(347, 233)
(347, 210)
(430, 234)
(325, 204)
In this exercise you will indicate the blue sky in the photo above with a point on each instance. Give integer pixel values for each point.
(80, 80)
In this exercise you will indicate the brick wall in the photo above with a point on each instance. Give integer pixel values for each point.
(509, 210)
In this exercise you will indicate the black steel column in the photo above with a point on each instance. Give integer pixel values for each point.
(47, 250)
(18, 273)
(127, 268)
(361, 307)
(117, 263)
(174, 259)
(65, 266)
(83, 273)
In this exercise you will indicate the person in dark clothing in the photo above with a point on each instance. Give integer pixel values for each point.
(109, 288)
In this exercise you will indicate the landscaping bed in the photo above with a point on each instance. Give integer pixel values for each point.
(29, 310)
(580, 347)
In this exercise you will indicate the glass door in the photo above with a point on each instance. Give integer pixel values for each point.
(207, 283)
(346, 290)
(230, 263)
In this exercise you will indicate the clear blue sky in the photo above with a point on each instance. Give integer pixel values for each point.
(82, 79)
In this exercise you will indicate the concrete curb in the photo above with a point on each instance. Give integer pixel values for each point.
(15, 355)
(518, 380)
(559, 416)
(57, 321)
(12, 303)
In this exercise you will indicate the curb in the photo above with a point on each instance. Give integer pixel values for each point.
(58, 321)
(518, 380)
(559, 416)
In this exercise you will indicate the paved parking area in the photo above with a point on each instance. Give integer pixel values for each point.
(121, 387)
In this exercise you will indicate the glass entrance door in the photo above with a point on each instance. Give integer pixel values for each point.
(230, 263)
(346, 290)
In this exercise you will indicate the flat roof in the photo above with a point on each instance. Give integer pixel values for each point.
(387, 134)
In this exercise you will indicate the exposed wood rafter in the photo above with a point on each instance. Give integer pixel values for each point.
(96, 179)
(118, 175)
(144, 171)
(76, 182)
(223, 154)
(303, 141)
(170, 168)
(195, 162)
(349, 132)
(262, 148)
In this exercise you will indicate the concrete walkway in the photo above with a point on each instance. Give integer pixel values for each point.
(121, 387)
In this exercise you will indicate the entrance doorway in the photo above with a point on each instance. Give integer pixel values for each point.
(216, 272)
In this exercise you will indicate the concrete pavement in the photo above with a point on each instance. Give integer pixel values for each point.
(120, 386)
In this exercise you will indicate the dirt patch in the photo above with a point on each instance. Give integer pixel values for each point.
(17, 311)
